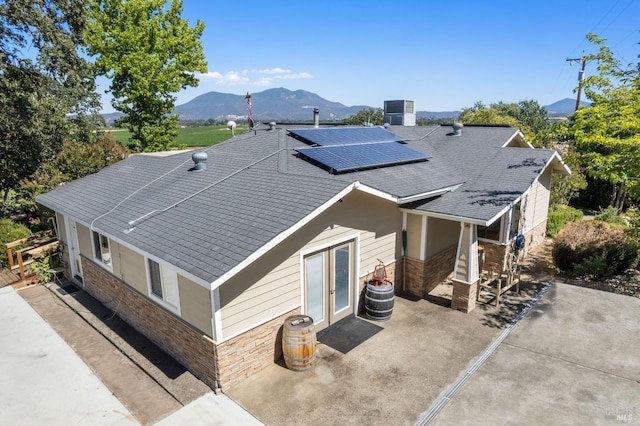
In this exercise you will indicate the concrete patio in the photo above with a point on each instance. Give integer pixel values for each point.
(390, 377)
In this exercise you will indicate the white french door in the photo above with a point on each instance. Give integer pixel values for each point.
(329, 283)
(74, 249)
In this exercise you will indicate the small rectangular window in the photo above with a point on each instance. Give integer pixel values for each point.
(102, 249)
(491, 232)
(163, 283)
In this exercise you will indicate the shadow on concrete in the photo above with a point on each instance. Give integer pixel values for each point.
(348, 333)
(511, 304)
(138, 342)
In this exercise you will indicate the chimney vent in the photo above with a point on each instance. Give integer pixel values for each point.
(316, 117)
(199, 160)
(457, 128)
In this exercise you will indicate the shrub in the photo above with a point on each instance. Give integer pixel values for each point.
(610, 215)
(10, 231)
(633, 232)
(559, 216)
(595, 249)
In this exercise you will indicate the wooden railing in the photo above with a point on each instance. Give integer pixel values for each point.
(37, 245)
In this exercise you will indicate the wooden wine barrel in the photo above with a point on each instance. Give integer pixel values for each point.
(299, 342)
(378, 301)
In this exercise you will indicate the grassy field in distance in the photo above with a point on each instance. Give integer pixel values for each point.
(189, 136)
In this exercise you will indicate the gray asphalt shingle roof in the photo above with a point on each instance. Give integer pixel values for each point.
(255, 187)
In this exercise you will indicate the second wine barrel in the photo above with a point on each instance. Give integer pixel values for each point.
(378, 301)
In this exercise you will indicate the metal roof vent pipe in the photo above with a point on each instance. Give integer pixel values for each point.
(457, 128)
(272, 125)
(316, 117)
(199, 160)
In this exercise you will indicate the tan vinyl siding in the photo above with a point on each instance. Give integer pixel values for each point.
(537, 202)
(195, 305)
(441, 234)
(271, 285)
(62, 229)
(129, 267)
(84, 241)
(414, 235)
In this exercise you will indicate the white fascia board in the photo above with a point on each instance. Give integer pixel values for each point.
(563, 165)
(455, 218)
(135, 249)
(517, 133)
(283, 236)
(429, 194)
(375, 192)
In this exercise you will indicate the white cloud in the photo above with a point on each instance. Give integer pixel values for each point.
(294, 76)
(274, 71)
(261, 78)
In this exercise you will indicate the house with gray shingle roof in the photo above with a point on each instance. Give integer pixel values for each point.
(209, 261)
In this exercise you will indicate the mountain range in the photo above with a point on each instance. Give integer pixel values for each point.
(281, 104)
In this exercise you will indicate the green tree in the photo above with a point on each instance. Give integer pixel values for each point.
(75, 160)
(371, 115)
(527, 115)
(607, 134)
(149, 52)
(44, 79)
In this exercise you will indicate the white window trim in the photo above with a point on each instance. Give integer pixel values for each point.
(100, 260)
(160, 300)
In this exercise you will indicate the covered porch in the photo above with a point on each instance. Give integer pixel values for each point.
(455, 262)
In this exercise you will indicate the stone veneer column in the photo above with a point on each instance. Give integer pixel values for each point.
(464, 296)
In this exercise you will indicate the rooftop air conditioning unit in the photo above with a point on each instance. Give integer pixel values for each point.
(402, 113)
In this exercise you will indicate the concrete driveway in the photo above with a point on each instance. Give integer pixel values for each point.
(573, 359)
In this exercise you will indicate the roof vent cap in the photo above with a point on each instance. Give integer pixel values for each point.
(199, 160)
(316, 117)
(457, 128)
(272, 125)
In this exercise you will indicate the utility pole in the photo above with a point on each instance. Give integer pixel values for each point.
(584, 61)
(580, 76)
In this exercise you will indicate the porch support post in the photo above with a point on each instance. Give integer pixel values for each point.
(466, 273)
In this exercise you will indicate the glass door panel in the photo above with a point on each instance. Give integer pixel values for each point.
(342, 277)
(315, 287)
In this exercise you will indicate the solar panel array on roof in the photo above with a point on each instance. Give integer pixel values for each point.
(345, 158)
(346, 135)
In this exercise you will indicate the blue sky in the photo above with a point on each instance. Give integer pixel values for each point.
(444, 55)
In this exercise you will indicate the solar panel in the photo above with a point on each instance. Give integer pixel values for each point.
(345, 158)
(346, 135)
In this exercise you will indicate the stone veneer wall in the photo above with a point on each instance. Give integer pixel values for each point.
(495, 256)
(186, 344)
(535, 237)
(248, 353)
(423, 277)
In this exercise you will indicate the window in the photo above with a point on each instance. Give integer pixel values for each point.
(491, 232)
(163, 284)
(102, 249)
(515, 222)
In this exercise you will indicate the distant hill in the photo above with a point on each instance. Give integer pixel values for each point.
(272, 104)
(286, 105)
(564, 107)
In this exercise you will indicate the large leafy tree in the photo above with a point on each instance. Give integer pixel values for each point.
(526, 115)
(149, 52)
(607, 134)
(44, 80)
(76, 159)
